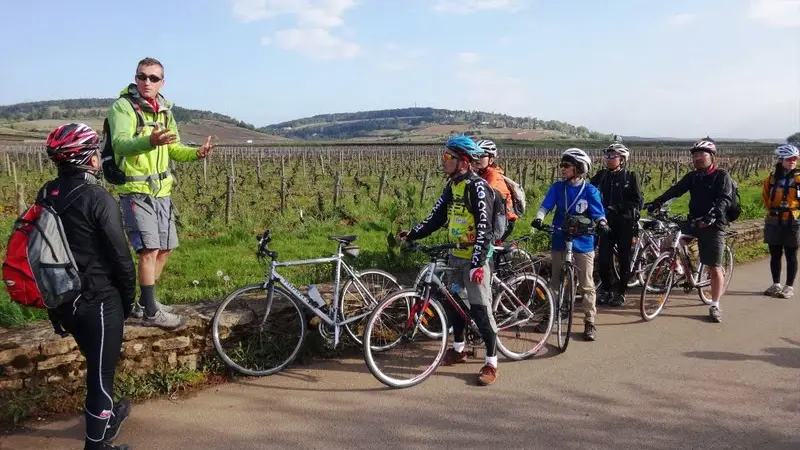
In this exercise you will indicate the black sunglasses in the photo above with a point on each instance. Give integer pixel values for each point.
(153, 78)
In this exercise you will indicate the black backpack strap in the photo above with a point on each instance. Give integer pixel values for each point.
(139, 114)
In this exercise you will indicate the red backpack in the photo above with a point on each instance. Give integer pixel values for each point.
(39, 269)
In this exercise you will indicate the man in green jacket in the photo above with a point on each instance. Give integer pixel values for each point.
(145, 137)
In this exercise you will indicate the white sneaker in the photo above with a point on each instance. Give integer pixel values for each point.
(773, 290)
(164, 320)
(787, 292)
(138, 309)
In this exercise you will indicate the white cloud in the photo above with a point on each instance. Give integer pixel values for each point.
(315, 19)
(776, 13)
(471, 6)
(679, 20)
(315, 42)
(468, 58)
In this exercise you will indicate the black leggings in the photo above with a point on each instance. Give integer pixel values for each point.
(775, 253)
(96, 324)
(621, 236)
(480, 314)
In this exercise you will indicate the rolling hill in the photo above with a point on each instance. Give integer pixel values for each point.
(424, 124)
(32, 121)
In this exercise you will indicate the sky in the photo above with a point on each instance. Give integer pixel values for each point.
(678, 68)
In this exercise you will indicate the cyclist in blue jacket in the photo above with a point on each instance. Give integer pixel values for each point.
(574, 197)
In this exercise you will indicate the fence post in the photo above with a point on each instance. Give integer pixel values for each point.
(283, 185)
(424, 186)
(229, 201)
(337, 185)
(381, 186)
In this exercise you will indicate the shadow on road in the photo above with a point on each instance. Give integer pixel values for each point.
(788, 357)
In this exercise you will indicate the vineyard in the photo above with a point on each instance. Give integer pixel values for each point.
(306, 193)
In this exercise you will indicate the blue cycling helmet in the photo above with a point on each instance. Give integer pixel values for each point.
(464, 146)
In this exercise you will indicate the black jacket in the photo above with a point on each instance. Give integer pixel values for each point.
(710, 194)
(480, 209)
(620, 191)
(94, 230)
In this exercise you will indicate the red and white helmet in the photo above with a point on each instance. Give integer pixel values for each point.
(705, 145)
(73, 144)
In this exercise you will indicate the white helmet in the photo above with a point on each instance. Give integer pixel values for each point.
(579, 158)
(619, 148)
(786, 151)
(705, 145)
(488, 146)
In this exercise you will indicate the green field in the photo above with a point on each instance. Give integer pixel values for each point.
(313, 208)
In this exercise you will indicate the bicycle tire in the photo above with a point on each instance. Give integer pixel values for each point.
(389, 285)
(373, 354)
(662, 264)
(566, 304)
(728, 275)
(540, 291)
(231, 356)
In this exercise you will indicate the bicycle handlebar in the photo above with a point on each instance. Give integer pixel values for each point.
(435, 249)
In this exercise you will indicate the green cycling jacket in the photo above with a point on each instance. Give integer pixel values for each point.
(148, 166)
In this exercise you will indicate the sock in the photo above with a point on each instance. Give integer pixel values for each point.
(459, 346)
(148, 300)
(492, 361)
(715, 304)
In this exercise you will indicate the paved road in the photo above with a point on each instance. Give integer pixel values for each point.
(677, 382)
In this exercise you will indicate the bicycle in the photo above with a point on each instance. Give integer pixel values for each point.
(565, 299)
(675, 260)
(267, 316)
(646, 248)
(397, 322)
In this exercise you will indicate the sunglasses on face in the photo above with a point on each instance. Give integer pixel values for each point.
(611, 156)
(566, 165)
(152, 78)
(791, 159)
(447, 156)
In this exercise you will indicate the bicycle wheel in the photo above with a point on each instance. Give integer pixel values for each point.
(566, 303)
(658, 286)
(256, 337)
(642, 267)
(433, 334)
(359, 298)
(522, 332)
(395, 350)
(704, 291)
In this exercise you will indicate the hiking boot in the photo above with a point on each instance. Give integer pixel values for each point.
(138, 309)
(164, 320)
(487, 375)
(453, 357)
(715, 313)
(119, 414)
(773, 290)
(787, 292)
(602, 296)
(589, 331)
(617, 300)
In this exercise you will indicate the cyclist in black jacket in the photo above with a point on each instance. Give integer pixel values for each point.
(93, 226)
(622, 201)
(710, 195)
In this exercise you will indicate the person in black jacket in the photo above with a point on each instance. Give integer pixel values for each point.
(465, 210)
(622, 201)
(93, 227)
(710, 195)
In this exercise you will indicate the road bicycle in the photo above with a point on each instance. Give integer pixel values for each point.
(259, 329)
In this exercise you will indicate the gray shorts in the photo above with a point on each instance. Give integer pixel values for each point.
(710, 245)
(149, 221)
(477, 294)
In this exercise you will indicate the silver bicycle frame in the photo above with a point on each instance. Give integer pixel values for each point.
(305, 300)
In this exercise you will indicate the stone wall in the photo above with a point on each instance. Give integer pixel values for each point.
(32, 355)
